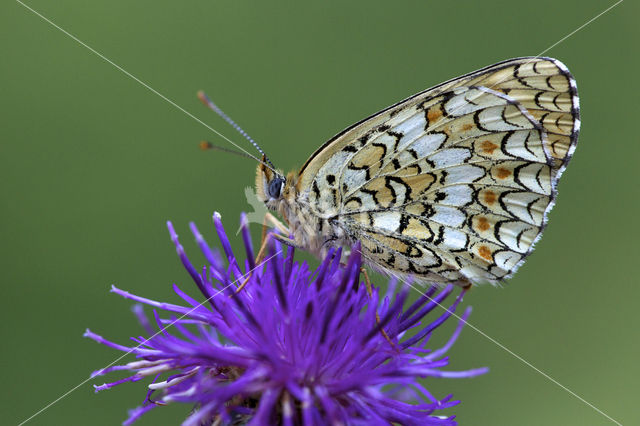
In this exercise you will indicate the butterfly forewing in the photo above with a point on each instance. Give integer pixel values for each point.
(454, 183)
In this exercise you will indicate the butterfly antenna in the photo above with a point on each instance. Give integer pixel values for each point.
(209, 103)
(206, 146)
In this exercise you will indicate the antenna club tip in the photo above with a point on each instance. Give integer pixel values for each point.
(204, 145)
(202, 96)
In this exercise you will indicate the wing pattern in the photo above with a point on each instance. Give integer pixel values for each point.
(453, 184)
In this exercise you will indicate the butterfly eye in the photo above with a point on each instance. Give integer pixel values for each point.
(275, 186)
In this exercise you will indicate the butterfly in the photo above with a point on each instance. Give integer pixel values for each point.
(451, 185)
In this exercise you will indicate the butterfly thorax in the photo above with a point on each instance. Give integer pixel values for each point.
(314, 232)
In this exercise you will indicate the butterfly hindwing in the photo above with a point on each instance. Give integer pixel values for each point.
(454, 183)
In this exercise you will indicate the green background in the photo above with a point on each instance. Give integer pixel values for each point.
(93, 164)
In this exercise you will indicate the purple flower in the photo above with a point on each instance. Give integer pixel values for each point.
(295, 346)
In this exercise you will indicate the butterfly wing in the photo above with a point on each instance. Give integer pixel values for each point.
(452, 184)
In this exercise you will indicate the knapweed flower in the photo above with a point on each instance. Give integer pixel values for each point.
(294, 346)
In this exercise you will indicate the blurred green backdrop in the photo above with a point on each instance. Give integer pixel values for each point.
(93, 164)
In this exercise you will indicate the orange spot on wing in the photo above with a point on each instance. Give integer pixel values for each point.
(485, 253)
(488, 147)
(503, 173)
(434, 114)
(489, 197)
(467, 127)
(483, 224)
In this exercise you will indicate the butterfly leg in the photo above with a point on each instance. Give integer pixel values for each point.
(277, 224)
(263, 246)
(367, 283)
(283, 229)
(265, 239)
(287, 241)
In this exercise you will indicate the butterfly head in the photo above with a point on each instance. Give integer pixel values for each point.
(270, 185)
